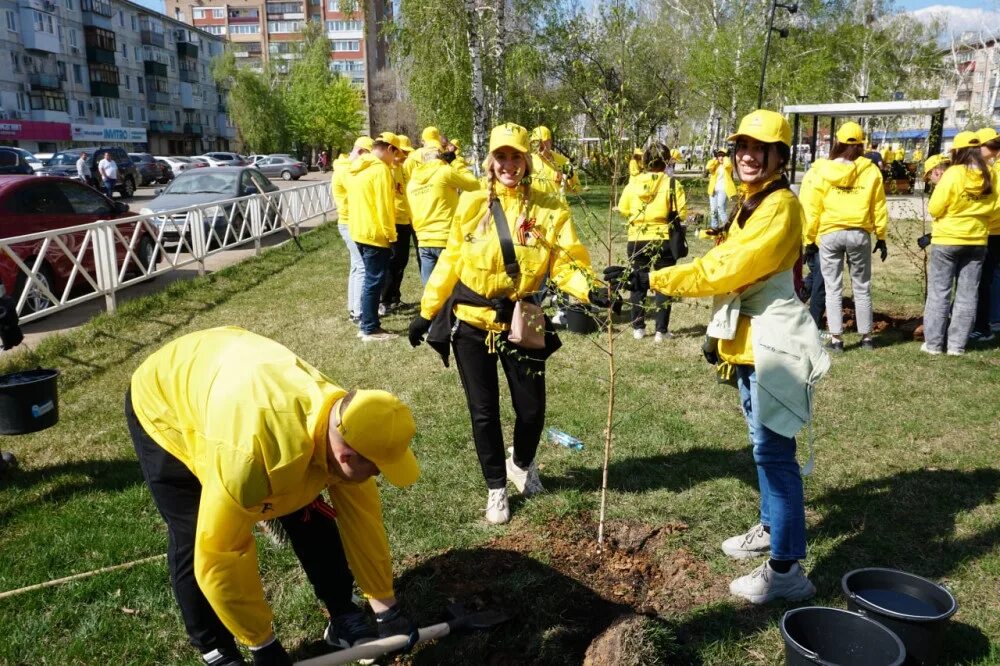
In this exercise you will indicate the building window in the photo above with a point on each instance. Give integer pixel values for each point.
(198, 13)
(247, 29)
(137, 56)
(48, 101)
(173, 63)
(77, 73)
(15, 62)
(342, 26)
(104, 74)
(11, 21)
(284, 27)
(177, 117)
(128, 82)
(72, 37)
(215, 29)
(218, 12)
(81, 111)
(134, 24)
(61, 66)
(125, 51)
(22, 105)
(139, 84)
(129, 113)
(345, 45)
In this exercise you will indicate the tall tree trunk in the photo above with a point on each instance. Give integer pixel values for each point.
(499, 57)
(480, 120)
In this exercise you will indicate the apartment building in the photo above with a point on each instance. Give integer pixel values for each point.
(262, 30)
(973, 82)
(83, 72)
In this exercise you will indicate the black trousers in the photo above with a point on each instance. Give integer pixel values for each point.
(176, 492)
(984, 305)
(397, 265)
(814, 284)
(649, 256)
(477, 368)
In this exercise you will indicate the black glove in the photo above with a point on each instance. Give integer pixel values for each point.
(924, 241)
(633, 280)
(880, 246)
(710, 350)
(601, 297)
(418, 329)
(810, 251)
(272, 654)
(10, 331)
(613, 276)
(393, 623)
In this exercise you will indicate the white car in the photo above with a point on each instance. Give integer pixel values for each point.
(177, 164)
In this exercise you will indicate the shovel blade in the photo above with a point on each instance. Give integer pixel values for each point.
(480, 620)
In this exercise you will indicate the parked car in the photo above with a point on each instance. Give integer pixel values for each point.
(205, 186)
(166, 173)
(30, 204)
(223, 159)
(198, 162)
(286, 167)
(64, 164)
(35, 163)
(149, 171)
(44, 158)
(178, 165)
(13, 162)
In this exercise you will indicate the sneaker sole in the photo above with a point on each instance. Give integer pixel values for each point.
(804, 592)
(742, 554)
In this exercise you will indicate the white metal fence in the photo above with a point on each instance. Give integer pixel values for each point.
(51, 271)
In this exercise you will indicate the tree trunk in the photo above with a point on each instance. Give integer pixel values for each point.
(499, 56)
(479, 112)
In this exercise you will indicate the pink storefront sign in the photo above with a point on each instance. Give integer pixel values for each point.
(34, 130)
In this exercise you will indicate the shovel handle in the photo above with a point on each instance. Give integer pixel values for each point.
(376, 648)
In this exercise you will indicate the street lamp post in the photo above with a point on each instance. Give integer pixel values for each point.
(782, 32)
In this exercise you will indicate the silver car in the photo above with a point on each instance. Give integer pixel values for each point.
(279, 165)
(218, 159)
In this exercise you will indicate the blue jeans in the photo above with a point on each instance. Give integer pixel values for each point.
(782, 504)
(428, 257)
(719, 204)
(817, 290)
(109, 187)
(356, 276)
(376, 261)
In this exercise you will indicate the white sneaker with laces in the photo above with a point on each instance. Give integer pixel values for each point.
(927, 350)
(765, 584)
(638, 333)
(525, 480)
(497, 509)
(754, 543)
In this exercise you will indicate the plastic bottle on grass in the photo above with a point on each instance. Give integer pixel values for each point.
(563, 439)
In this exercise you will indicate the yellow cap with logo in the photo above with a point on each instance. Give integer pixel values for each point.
(541, 133)
(379, 426)
(455, 143)
(987, 134)
(404, 143)
(431, 136)
(966, 140)
(851, 133)
(363, 142)
(764, 126)
(509, 135)
(934, 161)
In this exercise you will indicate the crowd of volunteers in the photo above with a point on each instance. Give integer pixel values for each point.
(231, 428)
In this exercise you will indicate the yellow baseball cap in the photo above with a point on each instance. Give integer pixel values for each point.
(987, 134)
(764, 126)
(404, 143)
(637, 152)
(509, 135)
(431, 136)
(541, 133)
(363, 142)
(851, 133)
(455, 143)
(966, 140)
(379, 426)
(389, 138)
(933, 162)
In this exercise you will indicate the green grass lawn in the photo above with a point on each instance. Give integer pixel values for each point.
(907, 477)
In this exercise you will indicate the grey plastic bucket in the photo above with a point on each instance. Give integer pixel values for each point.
(836, 637)
(916, 609)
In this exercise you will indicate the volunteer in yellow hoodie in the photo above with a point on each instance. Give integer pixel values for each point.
(844, 201)
(635, 164)
(963, 205)
(430, 140)
(988, 307)
(231, 429)
(391, 296)
(338, 188)
(454, 154)
(721, 187)
(648, 202)
(470, 299)
(371, 200)
(762, 334)
(433, 194)
(551, 171)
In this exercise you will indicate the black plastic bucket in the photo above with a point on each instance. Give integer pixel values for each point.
(579, 319)
(29, 401)
(916, 609)
(836, 637)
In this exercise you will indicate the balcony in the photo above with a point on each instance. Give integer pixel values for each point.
(103, 89)
(192, 129)
(157, 97)
(154, 68)
(189, 75)
(244, 18)
(97, 55)
(151, 38)
(38, 40)
(45, 82)
(161, 126)
(186, 49)
(99, 7)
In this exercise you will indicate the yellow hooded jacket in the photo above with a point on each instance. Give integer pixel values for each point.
(767, 244)
(962, 214)
(338, 187)
(473, 255)
(249, 419)
(433, 193)
(399, 180)
(645, 204)
(634, 168)
(839, 194)
(547, 175)
(994, 226)
(725, 173)
(371, 198)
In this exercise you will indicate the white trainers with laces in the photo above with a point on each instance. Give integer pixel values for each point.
(927, 350)
(497, 509)
(764, 584)
(638, 333)
(525, 480)
(754, 543)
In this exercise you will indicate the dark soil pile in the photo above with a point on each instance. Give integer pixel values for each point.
(907, 328)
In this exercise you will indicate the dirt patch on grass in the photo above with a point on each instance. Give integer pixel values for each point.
(909, 328)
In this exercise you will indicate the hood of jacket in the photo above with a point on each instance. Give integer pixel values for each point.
(646, 185)
(366, 161)
(839, 173)
(424, 171)
(972, 181)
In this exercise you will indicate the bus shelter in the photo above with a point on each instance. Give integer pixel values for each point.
(934, 108)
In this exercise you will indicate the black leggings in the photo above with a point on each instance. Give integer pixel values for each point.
(397, 264)
(649, 256)
(176, 492)
(477, 368)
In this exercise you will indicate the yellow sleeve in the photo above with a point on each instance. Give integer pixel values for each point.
(633, 167)
(880, 210)
(359, 519)
(385, 203)
(681, 199)
(940, 199)
(811, 198)
(736, 263)
(625, 202)
(445, 274)
(463, 179)
(570, 263)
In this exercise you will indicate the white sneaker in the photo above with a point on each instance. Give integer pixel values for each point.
(497, 509)
(754, 543)
(638, 333)
(927, 350)
(955, 352)
(525, 480)
(765, 584)
(558, 317)
(378, 335)
(660, 337)
(382, 310)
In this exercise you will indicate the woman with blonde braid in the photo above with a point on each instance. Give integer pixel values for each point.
(469, 300)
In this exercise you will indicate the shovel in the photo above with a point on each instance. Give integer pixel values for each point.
(461, 618)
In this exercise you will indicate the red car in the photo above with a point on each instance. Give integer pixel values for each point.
(31, 204)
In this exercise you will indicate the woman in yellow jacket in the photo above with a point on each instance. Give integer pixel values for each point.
(648, 203)
(988, 308)
(551, 171)
(635, 164)
(844, 201)
(767, 337)
(470, 298)
(962, 205)
(721, 187)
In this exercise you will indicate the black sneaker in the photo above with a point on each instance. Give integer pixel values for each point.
(349, 629)
(867, 344)
(836, 346)
(224, 657)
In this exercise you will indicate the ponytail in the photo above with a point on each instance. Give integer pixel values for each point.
(972, 158)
